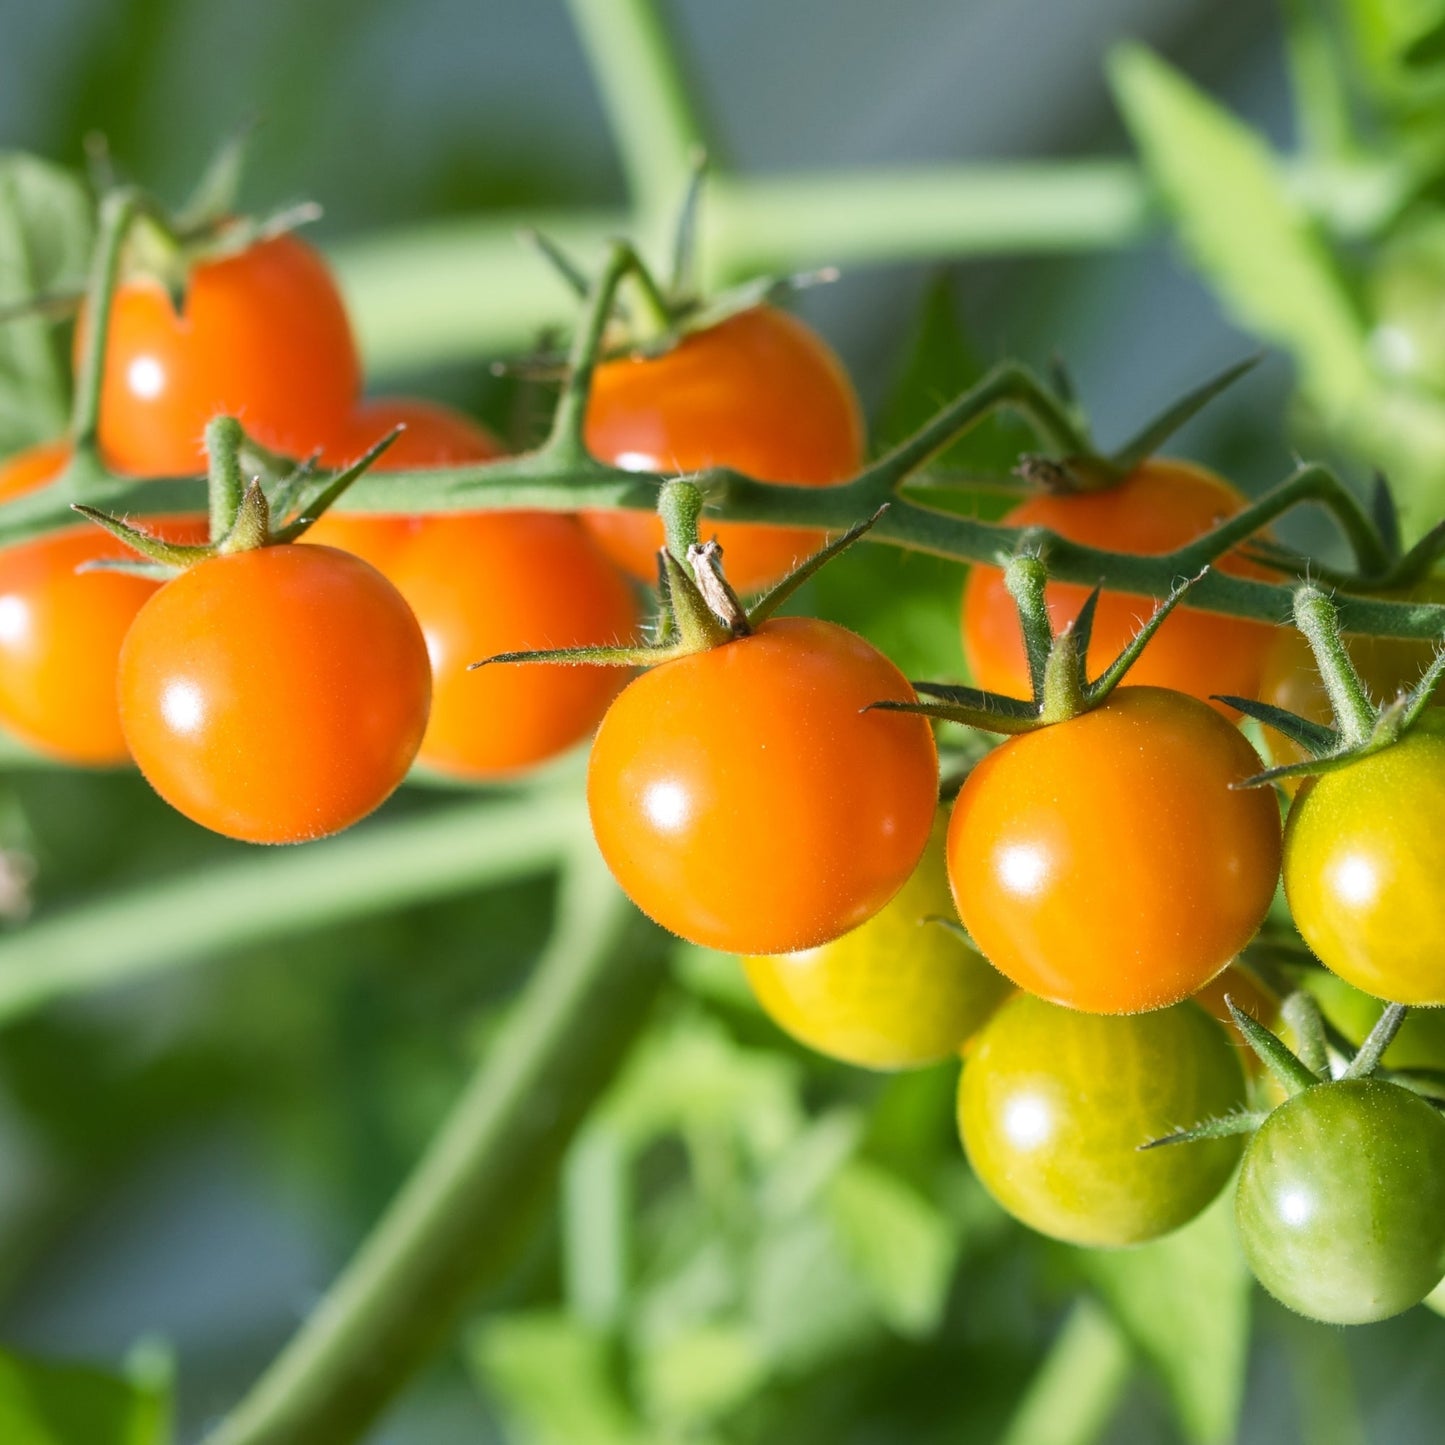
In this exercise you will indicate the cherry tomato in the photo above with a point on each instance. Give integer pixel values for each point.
(495, 582)
(1387, 666)
(1159, 506)
(1341, 1201)
(263, 335)
(759, 392)
(744, 799)
(276, 695)
(1053, 1106)
(1420, 1043)
(435, 436)
(899, 991)
(61, 629)
(1105, 863)
(1363, 858)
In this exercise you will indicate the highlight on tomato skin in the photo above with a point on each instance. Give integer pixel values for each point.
(746, 800)
(1108, 863)
(275, 695)
(263, 335)
(760, 392)
(1053, 1106)
(434, 436)
(61, 628)
(899, 991)
(1160, 506)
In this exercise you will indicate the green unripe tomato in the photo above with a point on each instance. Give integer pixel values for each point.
(1341, 1201)
(896, 992)
(1053, 1106)
(1364, 855)
(1420, 1043)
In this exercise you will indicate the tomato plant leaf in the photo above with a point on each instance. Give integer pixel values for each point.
(1200, 1350)
(46, 226)
(1241, 228)
(61, 1404)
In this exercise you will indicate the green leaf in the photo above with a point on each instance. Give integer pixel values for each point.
(46, 227)
(1241, 228)
(555, 1379)
(52, 1404)
(696, 1375)
(1184, 1302)
(901, 1245)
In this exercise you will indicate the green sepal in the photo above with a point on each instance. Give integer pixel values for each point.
(1311, 767)
(1301, 1011)
(571, 273)
(1428, 1083)
(175, 556)
(1385, 514)
(1367, 1060)
(592, 656)
(698, 627)
(1420, 697)
(55, 306)
(312, 508)
(151, 571)
(682, 283)
(1316, 738)
(1113, 675)
(216, 194)
(1272, 1051)
(764, 290)
(1227, 1126)
(953, 926)
(1155, 433)
(997, 716)
(779, 592)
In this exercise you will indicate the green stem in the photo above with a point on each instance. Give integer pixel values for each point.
(455, 1222)
(569, 422)
(227, 485)
(645, 96)
(118, 213)
(260, 896)
(1026, 579)
(1316, 617)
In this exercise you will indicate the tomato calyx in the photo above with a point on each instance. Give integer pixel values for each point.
(697, 606)
(1058, 662)
(1307, 1066)
(1362, 727)
(242, 516)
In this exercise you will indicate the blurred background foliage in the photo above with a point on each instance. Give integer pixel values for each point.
(748, 1244)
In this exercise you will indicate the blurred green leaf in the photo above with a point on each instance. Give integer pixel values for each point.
(1077, 1389)
(46, 226)
(1184, 1301)
(53, 1404)
(902, 1246)
(556, 1379)
(1240, 227)
(697, 1375)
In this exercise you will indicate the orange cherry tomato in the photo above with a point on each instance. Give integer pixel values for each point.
(435, 436)
(491, 582)
(61, 629)
(277, 695)
(745, 800)
(1159, 506)
(1104, 863)
(263, 336)
(759, 392)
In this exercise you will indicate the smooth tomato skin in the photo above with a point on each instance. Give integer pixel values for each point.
(743, 798)
(1158, 507)
(493, 582)
(761, 393)
(61, 630)
(1053, 1105)
(277, 695)
(899, 991)
(263, 336)
(1341, 1201)
(435, 436)
(1105, 864)
(1363, 860)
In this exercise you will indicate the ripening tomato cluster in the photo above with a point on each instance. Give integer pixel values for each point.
(1092, 877)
